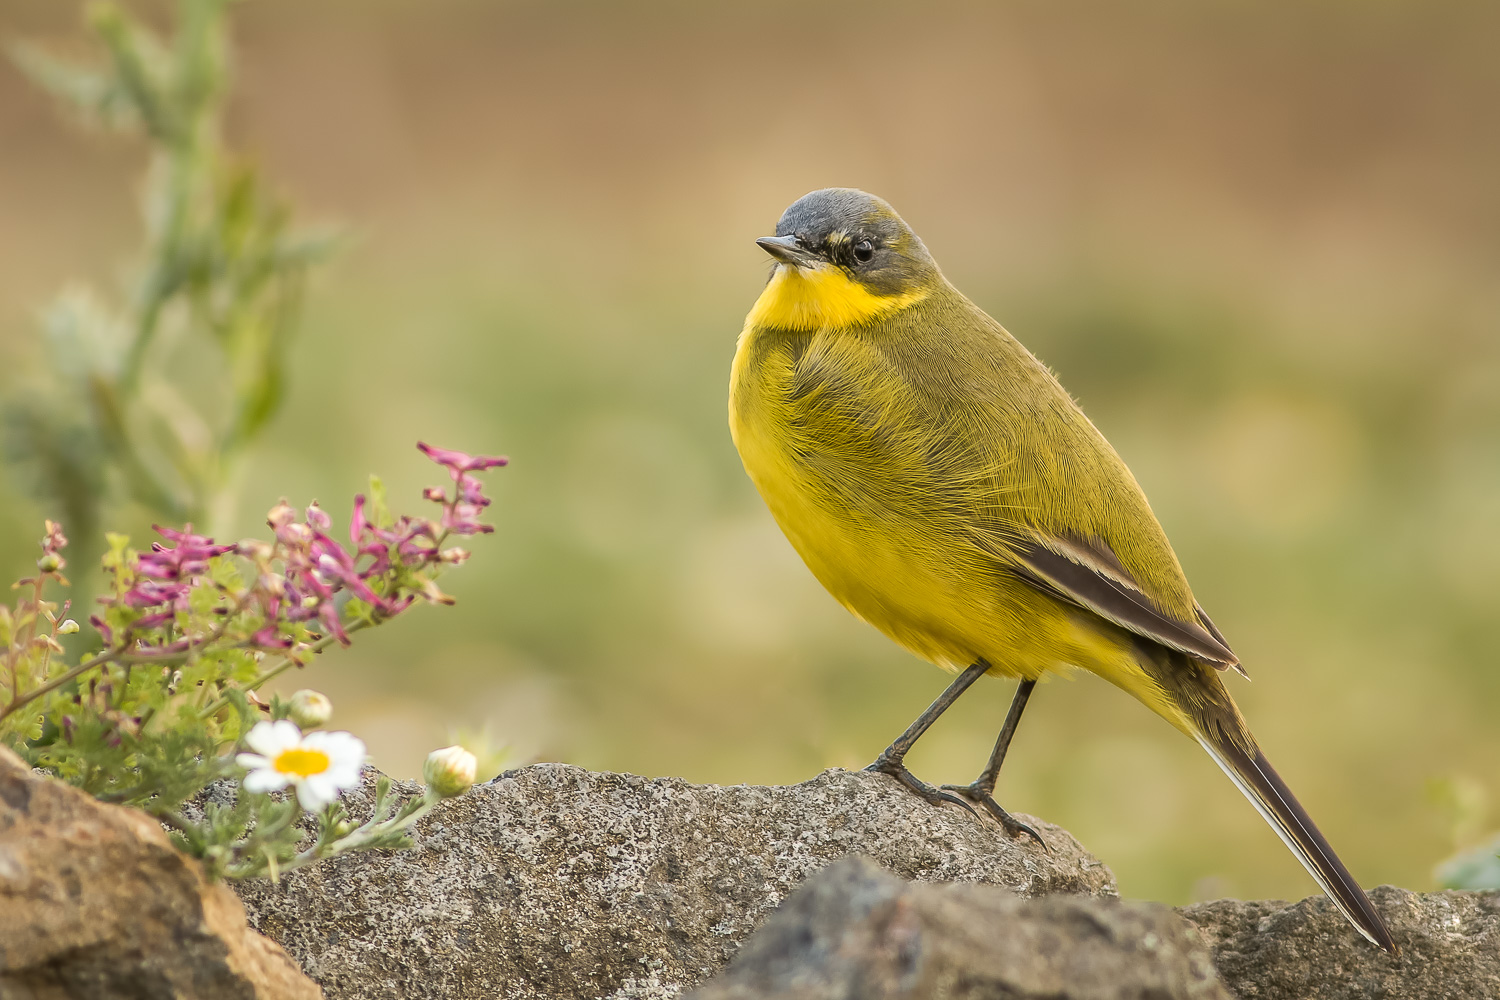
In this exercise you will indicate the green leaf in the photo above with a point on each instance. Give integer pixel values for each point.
(225, 572)
(85, 338)
(378, 511)
(142, 71)
(1477, 868)
(93, 94)
(57, 456)
(310, 246)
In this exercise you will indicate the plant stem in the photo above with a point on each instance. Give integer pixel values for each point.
(22, 643)
(118, 655)
(355, 840)
(286, 664)
(189, 161)
(50, 643)
(20, 701)
(145, 332)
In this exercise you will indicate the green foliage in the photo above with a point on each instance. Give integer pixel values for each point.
(1476, 868)
(223, 267)
(259, 836)
(1464, 802)
(190, 628)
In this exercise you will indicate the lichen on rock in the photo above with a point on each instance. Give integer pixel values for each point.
(554, 881)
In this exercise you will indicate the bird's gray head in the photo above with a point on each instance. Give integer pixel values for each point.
(857, 233)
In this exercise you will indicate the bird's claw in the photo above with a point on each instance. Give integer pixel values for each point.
(978, 793)
(927, 792)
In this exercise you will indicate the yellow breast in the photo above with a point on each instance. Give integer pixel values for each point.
(812, 463)
(849, 495)
(799, 298)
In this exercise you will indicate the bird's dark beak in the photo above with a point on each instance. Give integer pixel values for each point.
(788, 250)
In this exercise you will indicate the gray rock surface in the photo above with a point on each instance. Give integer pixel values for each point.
(1272, 950)
(554, 881)
(855, 932)
(96, 904)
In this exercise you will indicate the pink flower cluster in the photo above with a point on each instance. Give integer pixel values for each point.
(461, 517)
(165, 575)
(302, 580)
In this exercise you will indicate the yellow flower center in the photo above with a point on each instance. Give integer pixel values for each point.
(301, 761)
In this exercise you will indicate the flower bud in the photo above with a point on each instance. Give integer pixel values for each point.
(449, 772)
(67, 627)
(432, 593)
(50, 562)
(281, 515)
(316, 517)
(254, 548)
(309, 709)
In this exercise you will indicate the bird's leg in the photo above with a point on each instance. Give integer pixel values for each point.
(891, 759)
(982, 790)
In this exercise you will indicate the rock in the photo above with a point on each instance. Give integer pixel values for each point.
(558, 882)
(855, 932)
(96, 904)
(1271, 950)
(554, 881)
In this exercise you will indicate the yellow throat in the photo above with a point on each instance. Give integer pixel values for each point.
(801, 298)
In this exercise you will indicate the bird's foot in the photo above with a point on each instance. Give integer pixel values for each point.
(896, 769)
(977, 792)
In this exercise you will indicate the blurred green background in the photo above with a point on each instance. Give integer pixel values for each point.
(1260, 243)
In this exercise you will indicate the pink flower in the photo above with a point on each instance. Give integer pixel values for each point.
(463, 519)
(298, 578)
(357, 522)
(152, 621)
(270, 637)
(191, 545)
(329, 616)
(471, 491)
(148, 594)
(457, 462)
(460, 514)
(316, 518)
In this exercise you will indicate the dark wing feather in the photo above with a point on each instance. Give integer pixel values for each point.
(1090, 575)
(1207, 623)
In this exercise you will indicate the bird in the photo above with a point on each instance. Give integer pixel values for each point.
(944, 487)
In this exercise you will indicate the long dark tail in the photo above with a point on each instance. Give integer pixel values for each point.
(1258, 780)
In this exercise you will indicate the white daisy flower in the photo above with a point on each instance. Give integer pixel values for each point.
(320, 765)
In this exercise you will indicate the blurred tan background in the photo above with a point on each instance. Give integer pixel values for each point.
(1260, 243)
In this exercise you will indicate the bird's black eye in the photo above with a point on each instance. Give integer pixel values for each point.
(863, 251)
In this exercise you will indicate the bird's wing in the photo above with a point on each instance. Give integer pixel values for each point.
(1087, 573)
